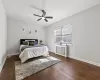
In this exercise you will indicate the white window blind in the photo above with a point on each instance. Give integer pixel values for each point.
(63, 34)
(66, 29)
(57, 31)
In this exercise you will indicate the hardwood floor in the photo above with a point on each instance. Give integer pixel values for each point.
(68, 69)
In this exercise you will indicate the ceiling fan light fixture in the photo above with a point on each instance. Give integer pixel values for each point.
(43, 17)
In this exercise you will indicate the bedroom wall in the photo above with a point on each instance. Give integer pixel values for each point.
(15, 33)
(3, 35)
(86, 35)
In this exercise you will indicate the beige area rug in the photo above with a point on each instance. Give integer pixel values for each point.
(31, 67)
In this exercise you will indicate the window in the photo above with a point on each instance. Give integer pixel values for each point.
(63, 34)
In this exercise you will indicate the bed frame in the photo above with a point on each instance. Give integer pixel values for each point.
(21, 40)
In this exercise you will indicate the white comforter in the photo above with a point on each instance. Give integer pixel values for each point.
(33, 52)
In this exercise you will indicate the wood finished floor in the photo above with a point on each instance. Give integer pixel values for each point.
(68, 69)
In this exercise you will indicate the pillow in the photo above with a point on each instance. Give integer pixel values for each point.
(31, 43)
(35, 43)
(25, 43)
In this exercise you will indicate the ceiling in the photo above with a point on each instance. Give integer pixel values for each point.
(59, 9)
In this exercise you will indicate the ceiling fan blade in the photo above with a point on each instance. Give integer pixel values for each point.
(44, 13)
(39, 19)
(37, 15)
(46, 20)
(50, 17)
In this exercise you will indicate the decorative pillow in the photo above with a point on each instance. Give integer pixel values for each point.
(35, 43)
(31, 43)
(25, 43)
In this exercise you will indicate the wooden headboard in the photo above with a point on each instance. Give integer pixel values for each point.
(21, 40)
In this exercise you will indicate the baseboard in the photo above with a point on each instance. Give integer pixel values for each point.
(1, 65)
(9, 55)
(87, 61)
(83, 60)
(60, 54)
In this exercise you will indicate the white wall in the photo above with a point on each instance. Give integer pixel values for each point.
(15, 33)
(2, 35)
(86, 35)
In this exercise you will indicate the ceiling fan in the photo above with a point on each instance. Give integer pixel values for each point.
(44, 17)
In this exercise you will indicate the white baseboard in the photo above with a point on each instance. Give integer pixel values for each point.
(9, 55)
(60, 54)
(87, 61)
(83, 60)
(1, 65)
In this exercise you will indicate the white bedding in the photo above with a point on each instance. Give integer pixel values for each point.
(33, 52)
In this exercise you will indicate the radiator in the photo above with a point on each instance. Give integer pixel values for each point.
(62, 50)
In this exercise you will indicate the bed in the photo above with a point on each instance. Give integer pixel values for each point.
(29, 48)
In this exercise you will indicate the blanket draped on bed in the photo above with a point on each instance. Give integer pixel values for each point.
(33, 52)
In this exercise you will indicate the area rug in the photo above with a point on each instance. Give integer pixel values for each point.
(31, 67)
